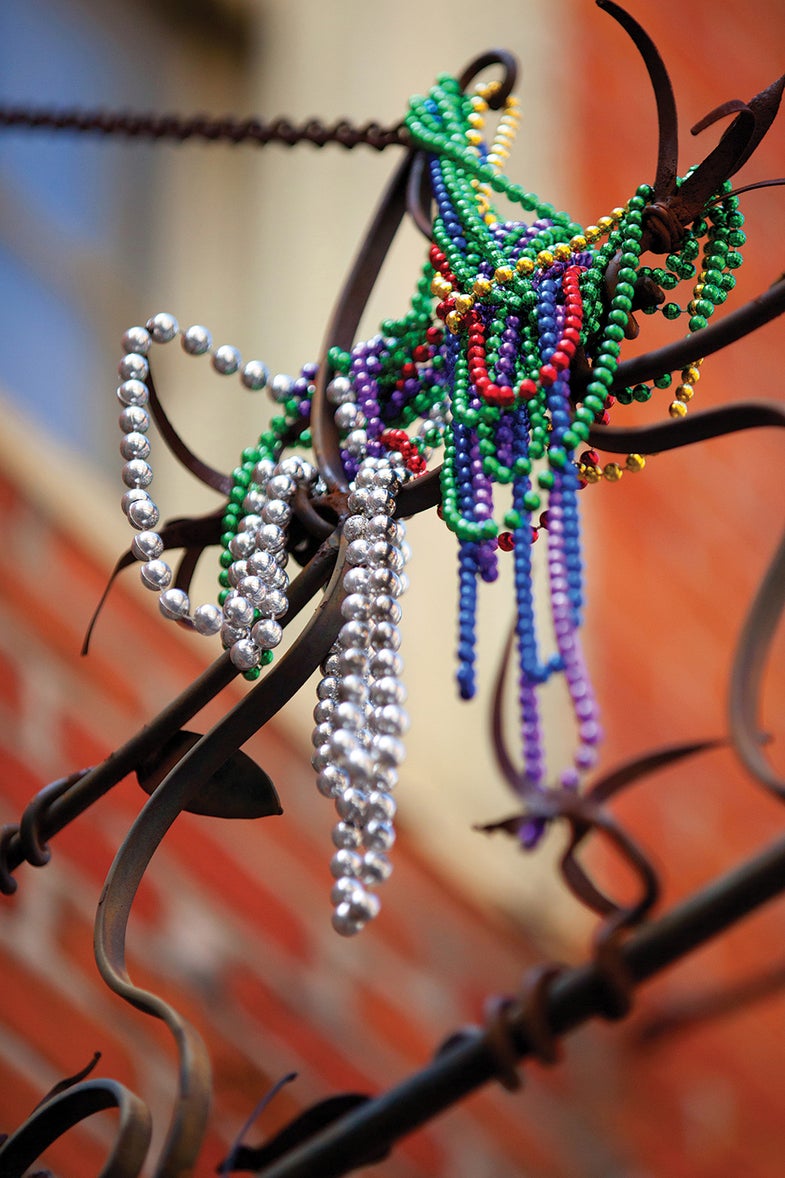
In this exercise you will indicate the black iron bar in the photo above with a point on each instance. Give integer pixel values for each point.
(573, 998)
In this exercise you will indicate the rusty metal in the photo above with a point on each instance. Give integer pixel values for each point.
(181, 128)
(179, 767)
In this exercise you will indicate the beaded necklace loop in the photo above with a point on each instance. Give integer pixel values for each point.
(504, 360)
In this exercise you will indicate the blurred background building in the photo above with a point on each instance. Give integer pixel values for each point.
(233, 924)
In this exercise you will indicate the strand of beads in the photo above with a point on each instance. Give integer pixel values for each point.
(143, 514)
(258, 599)
(360, 717)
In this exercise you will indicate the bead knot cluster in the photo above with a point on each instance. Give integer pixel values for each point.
(482, 367)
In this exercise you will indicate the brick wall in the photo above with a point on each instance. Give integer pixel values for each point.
(232, 920)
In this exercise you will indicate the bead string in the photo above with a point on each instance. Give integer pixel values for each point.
(479, 366)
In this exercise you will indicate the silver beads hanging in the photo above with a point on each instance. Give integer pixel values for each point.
(142, 512)
(360, 717)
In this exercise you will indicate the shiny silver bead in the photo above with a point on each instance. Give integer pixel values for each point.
(349, 416)
(331, 781)
(137, 473)
(353, 634)
(262, 564)
(366, 475)
(300, 469)
(267, 633)
(274, 604)
(237, 572)
(357, 552)
(245, 654)
(343, 743)
(147, 546)
(277, 512)
(156, 575)
(353, 688)
(381, 806)
(388, 750)
(242, 545)
(356, 580)
(253, 502)
(384, 476)
(132, 392)
(385, 609)
(331, 666)
(270, 538)
(280, 485)
(263, 471)
(378, 836)
(277, 579)
(357, 502)
(339, 390)
(134, 445)
(390, 719)
(232, 634)
(346, 835)
(252, 588)
(360, 767)
(375, 868)
(196, 340)
(136, 495)
(353, 660)
(345, 889)
(281, 388)
(134, 419)
(255, 375)
(323, 711)
(344, 923)
(346, 862)
(348, 715)
(356, 608)
(380, 500)
(385, 778)
(387, 690)
(136, 339)
(385, 634)
(226, 360)
(354, 527)
(321, 734)
(382, 580)
(174, 603)
(143, 514)
(385, 662)
(363, 907)
(327, 688)
(163, 327)
(321, 758)
(356, 441)
(384, 527)
(351, 805)
(208, 619)
(238, 611)
(133, 367)
(380, 552)
(251, 522)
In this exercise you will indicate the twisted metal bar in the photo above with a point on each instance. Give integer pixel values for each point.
(227, 129)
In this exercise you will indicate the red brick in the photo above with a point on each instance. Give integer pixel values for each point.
(67, 1035)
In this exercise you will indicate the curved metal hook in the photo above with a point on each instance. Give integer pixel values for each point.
(667, 117)
(62, 1112)
(502, 91)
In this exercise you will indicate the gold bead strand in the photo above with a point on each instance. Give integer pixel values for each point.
(686, 390)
